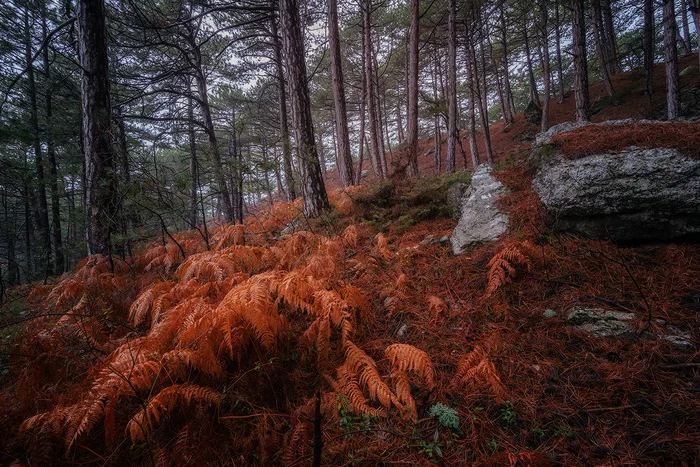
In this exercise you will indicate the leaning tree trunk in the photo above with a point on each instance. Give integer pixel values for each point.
(290, 192)
(452, 133)
(345, 169)
(510, 103)
(100, 180)
(610, 39)
(580, 63)
(686, 26)
(312, 186)
(412, 116)
(534, 95)
(695, 10)
(671, 56)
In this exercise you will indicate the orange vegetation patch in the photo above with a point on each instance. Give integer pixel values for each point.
(596, 139)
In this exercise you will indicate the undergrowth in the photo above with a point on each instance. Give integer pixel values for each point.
(229, 354)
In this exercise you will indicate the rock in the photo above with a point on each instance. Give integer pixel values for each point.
(428, 240)
(444, 239)
(292, 227)
(690, 102)
(401, 333)
(454, 198)
(364, 173)
(480, 219)
(600, 322)
(546, 137)
(533, 113)
(678, 338)
(639, 194)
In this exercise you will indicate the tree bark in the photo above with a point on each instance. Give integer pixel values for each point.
(686, 26)
(601, 46)
(42, 208)
(649, 47)
(194, 166)
(100, 173)
(510, 103)
(544, 19)
(345, 168)
(695, 10)
(290, 192)
(312, 185)
(671, 57)
(473, 148)
(452, 133)
(580, 62)
(557, 40)
(534, 95)
(412, 116)
(610, 39)
(59, 263)
(375, 150)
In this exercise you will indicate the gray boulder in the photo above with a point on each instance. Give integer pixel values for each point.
(480, 220)
(533, 113)
(639, 194)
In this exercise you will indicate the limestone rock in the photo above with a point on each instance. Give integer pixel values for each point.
(600, 322)
(639, 194)
(533, 113)
(480, 220)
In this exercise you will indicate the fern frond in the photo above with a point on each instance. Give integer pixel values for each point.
(502, 267)
(369, 377)
(350, 236)
(405, 357)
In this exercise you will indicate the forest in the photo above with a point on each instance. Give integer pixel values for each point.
(230, 232)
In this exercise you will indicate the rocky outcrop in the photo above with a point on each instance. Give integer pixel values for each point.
(455, 192)
(638, 194)
(480, 220)
(533, 113)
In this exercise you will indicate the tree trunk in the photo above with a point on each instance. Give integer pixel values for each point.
(100, 180)
(194, 175)
(452, 133)
(610, 39)
(412, 116)
(363, 103)
(649, 47)
(671, 57)
(473, 148)
(510, 103)
(695, 10)
(557, 40)
(544, 18)
(312, 185)
(291, 192)
(59, 263)
(42, 208)
(375, 150)
(686, 26)
(580, 62)
(345, 169)
(601, 46)
(534, 95)
(484, 103)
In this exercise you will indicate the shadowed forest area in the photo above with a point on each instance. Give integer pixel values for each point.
(288, 232)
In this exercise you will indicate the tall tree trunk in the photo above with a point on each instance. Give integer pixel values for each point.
(557, 40)
(544, 19)
(671, 57)
(471, 72)
(312, 185)
(452, 134)
(412, 116)
(345, 169)
(399, 122)
(437, 137)
(601, 46)
(375, 150)
(610, 39)
(291, 192)
(534, 95)
(194, 166)
(59, 263)
(484, 104)
(695, 10)
(580, 62)
(100, 180)
(649, 47)
(363, 103)
(510, 103)
(201, 82)
(686, 25)
(42, 208)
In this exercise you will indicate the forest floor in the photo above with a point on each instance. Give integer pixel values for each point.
(236, 353)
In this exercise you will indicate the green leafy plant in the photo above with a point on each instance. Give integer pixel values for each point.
(446, 416)
(492, 445)
(508, 415)
(430, 450)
